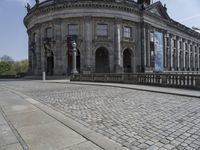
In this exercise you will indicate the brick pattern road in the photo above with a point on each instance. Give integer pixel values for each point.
(136, 119)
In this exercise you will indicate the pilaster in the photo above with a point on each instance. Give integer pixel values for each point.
(43, 56)
(189, 55)
(148, 60)
(171, 49)
(184, 51)
(58, 69)
(198, 57)
(194, 56)
(117, 41)
(178, 46)
(166, 50)
(88, 42)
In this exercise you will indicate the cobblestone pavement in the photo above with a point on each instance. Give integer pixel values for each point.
(136, 119)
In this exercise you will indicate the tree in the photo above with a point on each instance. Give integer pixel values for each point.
(4, 67)
(10, 67)
(7, 59)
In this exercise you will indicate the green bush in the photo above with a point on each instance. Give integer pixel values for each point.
(14, 68)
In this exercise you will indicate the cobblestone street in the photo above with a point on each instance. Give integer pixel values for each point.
(135, 119)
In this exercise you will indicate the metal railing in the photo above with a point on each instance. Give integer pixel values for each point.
(191, 81)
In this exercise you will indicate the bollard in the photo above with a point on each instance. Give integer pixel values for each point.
(44, 76)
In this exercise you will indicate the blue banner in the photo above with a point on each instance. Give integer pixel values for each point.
(158, 49)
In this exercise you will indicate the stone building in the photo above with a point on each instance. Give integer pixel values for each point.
(112, 36)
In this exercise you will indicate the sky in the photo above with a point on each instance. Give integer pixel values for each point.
(13, 36)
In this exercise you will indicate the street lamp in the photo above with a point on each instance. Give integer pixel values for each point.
(74, 69)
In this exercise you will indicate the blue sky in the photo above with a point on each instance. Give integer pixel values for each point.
(13, 36)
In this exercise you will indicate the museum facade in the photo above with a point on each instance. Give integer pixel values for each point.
(112, 36)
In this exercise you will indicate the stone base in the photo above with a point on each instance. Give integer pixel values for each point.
(118, 69)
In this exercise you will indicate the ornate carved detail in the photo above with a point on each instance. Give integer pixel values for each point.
(28, 7)
(48, 45)
(32, 47)
(129, 6)
(87, 19)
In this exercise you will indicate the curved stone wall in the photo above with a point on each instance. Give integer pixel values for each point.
(87, 18)
(112, 36)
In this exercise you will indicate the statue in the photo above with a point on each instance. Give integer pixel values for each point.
(37, 2)
(28, 7)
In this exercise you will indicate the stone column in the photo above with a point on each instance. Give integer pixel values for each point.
(181, 54)
(169, 52)
(88, 42)
(189, 50)
(64, 48)
(74, 69)
(171, 47)
(38, 51)
(184, 51)
(117, 39)
(148, 51)
(198, 57)
(194, 55)
(29, 53)
(43, 57)
(144, 46)
(165, 51)
(178, 53)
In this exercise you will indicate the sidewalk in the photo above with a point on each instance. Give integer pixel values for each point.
(165, 90)
(28, 124)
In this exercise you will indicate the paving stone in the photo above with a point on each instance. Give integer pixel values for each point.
(164, 141)
(130, 117)
(180, 147)
(153, 147)
(149, 142)
(169, 146)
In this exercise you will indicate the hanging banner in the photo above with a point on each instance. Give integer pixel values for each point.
(158, 47)
(70, 39)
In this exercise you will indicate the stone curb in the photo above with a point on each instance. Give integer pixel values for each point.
(131, 88)
(96, 138)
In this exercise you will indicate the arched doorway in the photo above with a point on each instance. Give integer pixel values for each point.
(127, 61)
(102, 60)
(78, 61)
(50, 63)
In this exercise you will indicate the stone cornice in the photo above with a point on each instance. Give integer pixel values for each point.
(63, 4)
(176, 25)
(183, 28)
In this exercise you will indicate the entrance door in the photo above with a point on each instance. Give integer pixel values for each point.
(102, 60)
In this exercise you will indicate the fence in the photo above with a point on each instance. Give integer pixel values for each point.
(191, 81)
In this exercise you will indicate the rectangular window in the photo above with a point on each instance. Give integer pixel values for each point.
(174, 43)
(186, 47)
(102, 30)
(49, 33)
(127, 32)
(73, 29)
(180, 44)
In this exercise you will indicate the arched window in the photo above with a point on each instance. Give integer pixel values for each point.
(49, 32)
(127, 65)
